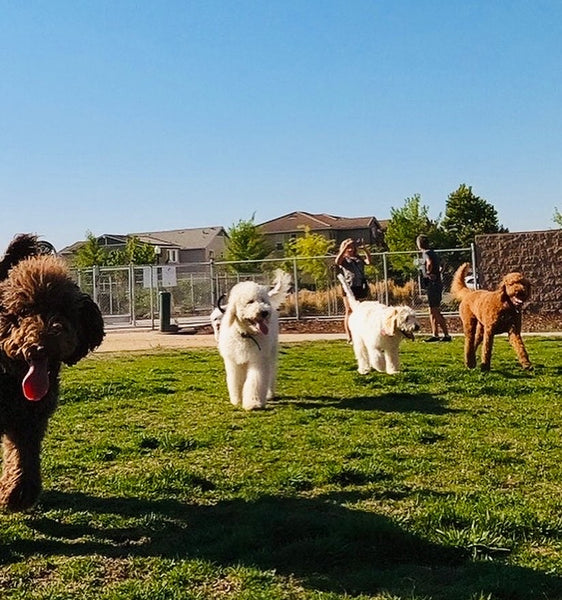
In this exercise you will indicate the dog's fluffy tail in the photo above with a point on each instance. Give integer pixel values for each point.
(21, 247)
(459, 289)
(353, 302)
(282, 284)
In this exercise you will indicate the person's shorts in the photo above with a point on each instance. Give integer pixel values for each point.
(434, 295)
(360, 292)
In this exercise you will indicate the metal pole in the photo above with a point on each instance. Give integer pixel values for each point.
(474, 270)
(385, 271)
(296, 286)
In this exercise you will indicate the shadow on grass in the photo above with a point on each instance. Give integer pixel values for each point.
(387, 402)
(330, 547)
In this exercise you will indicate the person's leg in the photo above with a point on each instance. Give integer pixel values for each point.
(437, 321)
(346, 318)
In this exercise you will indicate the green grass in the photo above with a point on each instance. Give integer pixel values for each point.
(437, 483)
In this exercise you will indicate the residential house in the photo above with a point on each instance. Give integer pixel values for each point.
(281, 230)
(176, 246)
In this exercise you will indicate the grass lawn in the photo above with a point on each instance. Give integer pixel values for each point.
(437, 483)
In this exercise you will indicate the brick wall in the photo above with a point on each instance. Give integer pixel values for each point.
(536, 254)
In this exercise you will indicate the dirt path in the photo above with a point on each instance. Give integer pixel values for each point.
(134, 339)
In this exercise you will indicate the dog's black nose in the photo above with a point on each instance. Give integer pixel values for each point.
(416, 327)
(264, 314)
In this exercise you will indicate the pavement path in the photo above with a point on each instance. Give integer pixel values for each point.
(120, 340)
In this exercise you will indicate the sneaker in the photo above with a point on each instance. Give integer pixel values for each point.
(433, 338)
(446, 338)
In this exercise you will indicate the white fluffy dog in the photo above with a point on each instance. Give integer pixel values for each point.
(216, 317)
(248, 341)
(376, 332)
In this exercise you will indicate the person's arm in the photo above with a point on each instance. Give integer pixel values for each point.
(341, 254)
(367, 257)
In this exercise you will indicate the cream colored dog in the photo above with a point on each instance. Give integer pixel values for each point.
(248, 341)
(376, 332)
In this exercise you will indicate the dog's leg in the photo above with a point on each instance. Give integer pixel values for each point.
(487, 345)
(361, 355)
(272, 377)
(517, 344)
(392, 361)
(377, 359)
(20, 484)
(235, 375)
(255, 387)
(272, 374)
(471, 329)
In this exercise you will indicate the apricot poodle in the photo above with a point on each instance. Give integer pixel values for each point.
(45, 320)
(486, 313)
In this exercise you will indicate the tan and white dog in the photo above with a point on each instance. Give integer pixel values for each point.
(248, 340)
(376, 332)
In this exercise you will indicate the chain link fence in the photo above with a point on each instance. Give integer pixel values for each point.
(132, 295)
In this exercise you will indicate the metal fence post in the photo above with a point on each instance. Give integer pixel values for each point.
(295, 279)
(385, 272)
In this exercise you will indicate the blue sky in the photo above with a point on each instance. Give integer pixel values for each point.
(120, 116)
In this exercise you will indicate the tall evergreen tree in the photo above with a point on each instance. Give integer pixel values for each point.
(468, 215)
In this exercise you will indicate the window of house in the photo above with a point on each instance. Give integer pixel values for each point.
(173, 256)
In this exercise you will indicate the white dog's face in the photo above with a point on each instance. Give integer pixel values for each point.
(402, 319)
(249, 304)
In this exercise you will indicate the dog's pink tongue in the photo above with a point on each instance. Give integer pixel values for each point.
(263, 327)
(36, 382)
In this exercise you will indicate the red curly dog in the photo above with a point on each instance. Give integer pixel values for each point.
(484, 314)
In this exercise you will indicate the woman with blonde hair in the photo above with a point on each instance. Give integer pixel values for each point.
(352, 266)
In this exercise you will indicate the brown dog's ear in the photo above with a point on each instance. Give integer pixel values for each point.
(90, 328)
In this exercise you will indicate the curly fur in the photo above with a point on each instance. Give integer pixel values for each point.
(486, 313)
(248, 341)
(45, 320)
(376, 332)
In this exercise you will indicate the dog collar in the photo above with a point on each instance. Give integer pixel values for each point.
(247, 335)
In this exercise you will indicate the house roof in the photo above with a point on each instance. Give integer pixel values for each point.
(181, 238)
(321, 221)
(185, 239)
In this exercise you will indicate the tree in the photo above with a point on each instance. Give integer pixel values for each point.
(246, 242)
(312, 246)
(405, 225)
(557, 218)
(135, 252)
(90, 253)
(466, 216)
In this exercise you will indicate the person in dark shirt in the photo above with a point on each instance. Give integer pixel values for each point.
(352, 267)
(431, 272)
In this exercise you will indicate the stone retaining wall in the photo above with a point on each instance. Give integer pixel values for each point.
(537, 254)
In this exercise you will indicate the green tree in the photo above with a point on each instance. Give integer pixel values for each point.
(557, 218)
(466, 216)
(405, 224)
(313, 247)
(246, 242)
(91, 253)
(135, 252)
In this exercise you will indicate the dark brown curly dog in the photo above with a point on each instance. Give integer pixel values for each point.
(45, 320)
(484, 314)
